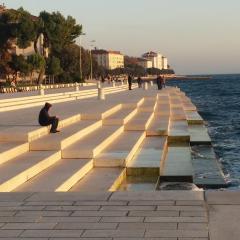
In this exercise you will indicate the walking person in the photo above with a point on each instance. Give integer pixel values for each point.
(139, 81)
(159, 81)
(164, 81)
(130, 82)
(45, 119)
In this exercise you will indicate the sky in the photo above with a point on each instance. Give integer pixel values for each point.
(198, 37)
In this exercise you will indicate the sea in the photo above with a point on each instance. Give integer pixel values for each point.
(218, 102)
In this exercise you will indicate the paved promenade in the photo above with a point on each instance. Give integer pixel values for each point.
(162, 215)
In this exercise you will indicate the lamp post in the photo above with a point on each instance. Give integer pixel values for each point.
(91, 62)
(80, 55)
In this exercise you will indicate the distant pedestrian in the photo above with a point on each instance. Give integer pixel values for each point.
(45, 119)
(164, 81)
(159, 82)
(139, 81)
(130, 82)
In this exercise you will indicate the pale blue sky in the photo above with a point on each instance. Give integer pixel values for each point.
(197, 36)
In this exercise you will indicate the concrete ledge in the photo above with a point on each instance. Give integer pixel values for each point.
(222, 197)
(158, 195)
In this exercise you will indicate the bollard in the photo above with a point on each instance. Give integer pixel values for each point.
(151, 83)
(98, 84)
(113, 83)
(101, 95)
(41, 90)
(122, 83)
(76, 87)
(145, 86)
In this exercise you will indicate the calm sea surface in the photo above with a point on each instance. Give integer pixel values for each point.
(218, 102)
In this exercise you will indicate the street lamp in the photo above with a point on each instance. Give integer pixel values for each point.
(91, 63)
(80, 55)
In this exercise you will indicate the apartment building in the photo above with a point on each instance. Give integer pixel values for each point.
(109, 59)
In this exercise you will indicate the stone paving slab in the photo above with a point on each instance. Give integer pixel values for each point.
(223, 197)
(102, 215)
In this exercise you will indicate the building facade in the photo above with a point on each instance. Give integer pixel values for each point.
(145, 63)
(109, 59)
(157, 59)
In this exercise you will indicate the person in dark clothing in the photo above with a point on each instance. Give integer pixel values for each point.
(45, 120)
(159, 81)
(129, 82)
(139, 81)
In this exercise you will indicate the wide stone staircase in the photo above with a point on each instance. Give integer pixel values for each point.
(132, 137)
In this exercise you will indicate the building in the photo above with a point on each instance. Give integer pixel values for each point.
(157, 59)
(109, 59)
(145, 63)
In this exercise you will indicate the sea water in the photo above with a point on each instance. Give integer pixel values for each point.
(218, 102)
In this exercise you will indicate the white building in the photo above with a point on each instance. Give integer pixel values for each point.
(157, 59)
(109, 59)
(145, 63)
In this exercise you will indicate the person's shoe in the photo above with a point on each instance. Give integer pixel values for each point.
(54, 131)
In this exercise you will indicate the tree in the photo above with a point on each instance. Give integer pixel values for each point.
(36, 63)
(53, 67)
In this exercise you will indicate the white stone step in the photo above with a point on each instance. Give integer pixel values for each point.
(121, 150)
(28, 133)
(10, 150)
(66, 137)
(19, 170)
(162, 109)
(102, 111)
(121, 117)
(60, 177)
(193, 117)
(177, 113)
(178, 131)
(98, 179)
(177, 166)
(93, 144)
(140, 121)
(159, 126)
(199, 134)
(146, 161)
(149, 105)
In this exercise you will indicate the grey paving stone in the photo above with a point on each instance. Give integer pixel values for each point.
(223, 197)
(151, 203)
(10, 204)
(71, 208)
(190, 203)
(154, 213)
(14, 197)
(25, 226)
(193, 238)
(156, 226)
(176, 219)
(176, 233)
(145, 239)
(70, 196)
(100, 213)
(52, 233)
(122, 219)
(10, 233)
(181, 208)
(127, 208)
(101, 203)
(193, 226)
(44, 213)
(113, 233)
(47, 203)
(69, 219)
(224, 222)
(86, 226)
(22, 208)
(7, 213)
(159, 195)
(193, 214)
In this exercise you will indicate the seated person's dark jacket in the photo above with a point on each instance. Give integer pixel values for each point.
(44, 118)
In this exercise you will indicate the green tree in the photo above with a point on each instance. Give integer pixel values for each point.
(36, 63)
(53, 67)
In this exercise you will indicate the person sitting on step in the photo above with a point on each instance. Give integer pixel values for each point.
(45, 120)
